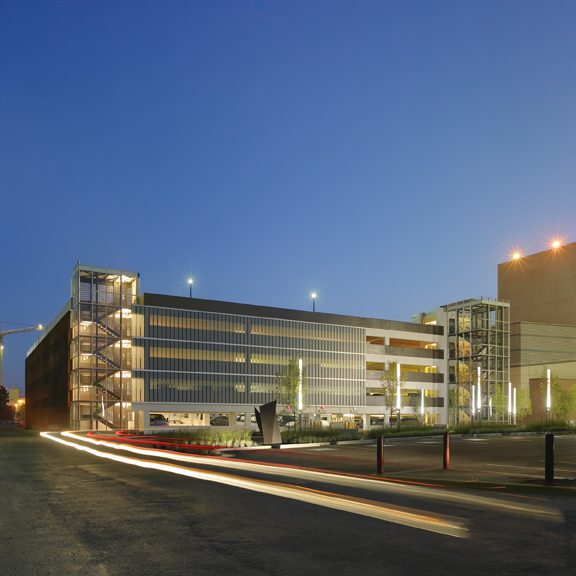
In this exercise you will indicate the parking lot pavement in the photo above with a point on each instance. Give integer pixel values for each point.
(488, 460)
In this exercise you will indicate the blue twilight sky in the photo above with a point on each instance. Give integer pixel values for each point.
(387, 154)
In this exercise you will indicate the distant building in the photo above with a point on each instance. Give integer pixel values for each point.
(541, 289)
(13, 394)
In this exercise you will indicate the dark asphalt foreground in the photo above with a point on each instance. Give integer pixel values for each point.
(65, 512)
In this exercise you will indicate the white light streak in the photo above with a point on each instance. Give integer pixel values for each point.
(331, 478)
(509, 397)
(395, 514)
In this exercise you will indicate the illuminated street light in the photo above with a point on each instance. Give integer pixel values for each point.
(299, 383)
(398, 393)
(479, 394)
(548, 400)
(422, 406)
(313, 296)
(514, 407)
(190, 282)
(509, 401)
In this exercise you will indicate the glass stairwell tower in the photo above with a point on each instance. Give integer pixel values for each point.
(101, 347)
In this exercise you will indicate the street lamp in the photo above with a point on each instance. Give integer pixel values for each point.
(398, 393)
(190, 282)
(313, 295)
(509, 402)
(514, 407)
(548, 399)
(479, 395)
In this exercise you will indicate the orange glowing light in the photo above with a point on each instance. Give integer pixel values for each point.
(516, 255)
(556, 244)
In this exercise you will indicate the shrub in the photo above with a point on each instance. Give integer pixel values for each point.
(405, 430)
(207, 437)
(312, 435)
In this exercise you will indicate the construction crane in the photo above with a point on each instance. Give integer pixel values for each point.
(8, 333)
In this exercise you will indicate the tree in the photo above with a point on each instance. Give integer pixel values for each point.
(563, 401)
(289, 383)
(500, 401)
(3, 396)
(467, 377)
(523, 403)
(457, 396)
(389, 383)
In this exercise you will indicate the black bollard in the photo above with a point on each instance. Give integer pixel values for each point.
(549, 458)
(446, 463)
(380, 455)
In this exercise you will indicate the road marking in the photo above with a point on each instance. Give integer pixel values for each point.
(322, 449)
(439, 524)
(475, 439)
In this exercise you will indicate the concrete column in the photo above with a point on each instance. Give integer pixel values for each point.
(366, 421)
(387, 418)
(142, 419)
(232, 419)
(248, 419)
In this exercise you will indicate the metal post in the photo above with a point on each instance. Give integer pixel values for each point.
(549, 458)
(446, 459)
(380, 455)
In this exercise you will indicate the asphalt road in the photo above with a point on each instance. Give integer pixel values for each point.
(65, 512)
(494, 458)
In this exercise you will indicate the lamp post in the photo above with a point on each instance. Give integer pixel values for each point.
(300, 393)
(190, 282)
(398, 393)
(422, 405)
(548, 399)
(313, 301)
(514, 407)
(479, 395)
(509, 402)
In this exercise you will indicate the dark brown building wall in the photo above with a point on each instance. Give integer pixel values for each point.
(48, 380)
(541, 287)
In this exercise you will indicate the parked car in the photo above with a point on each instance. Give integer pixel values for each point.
(407, 420)
(176, 423)
(285, 420)
(158, 420)
(219, 420)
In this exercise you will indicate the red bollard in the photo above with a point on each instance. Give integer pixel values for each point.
(446, 451)
(380, 455)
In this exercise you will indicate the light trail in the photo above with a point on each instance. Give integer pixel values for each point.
(439, 524)
(348, 480)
